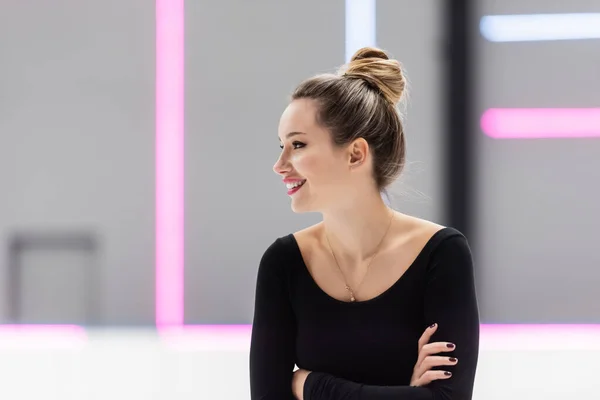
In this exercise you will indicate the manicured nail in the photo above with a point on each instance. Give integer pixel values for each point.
(432, 325)
(453, 359)
(447, 373)
(450, 345)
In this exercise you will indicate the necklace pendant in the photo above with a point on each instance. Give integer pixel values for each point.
(352, 299)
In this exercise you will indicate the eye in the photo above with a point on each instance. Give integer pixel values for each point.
(298, 145)
(295, 145)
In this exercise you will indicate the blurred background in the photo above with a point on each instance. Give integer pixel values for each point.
(136, 153)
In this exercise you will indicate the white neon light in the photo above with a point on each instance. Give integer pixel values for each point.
(360, 25)
(538, 27)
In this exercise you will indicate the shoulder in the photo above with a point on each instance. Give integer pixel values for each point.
(424, 231)
(278, 258)
(280, 249)
(434, 242)
(286, 250)
(447, 252)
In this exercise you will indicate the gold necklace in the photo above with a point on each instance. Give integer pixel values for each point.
(348, 288)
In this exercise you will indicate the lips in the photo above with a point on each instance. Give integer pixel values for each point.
(293, 185)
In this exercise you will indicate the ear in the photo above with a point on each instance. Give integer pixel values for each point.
(359, 149)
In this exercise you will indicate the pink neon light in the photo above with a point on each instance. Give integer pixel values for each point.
(540, 123)
(169, 161)
(493, 337)
(540, 337)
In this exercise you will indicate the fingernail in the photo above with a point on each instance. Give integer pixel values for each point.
(450, 345)
(452, 359)
(432, 325)
(447, 373)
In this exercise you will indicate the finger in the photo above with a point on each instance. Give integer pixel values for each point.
(426, 336)
(435, 361)
(438, 347)
(434, 348)
(431, 376)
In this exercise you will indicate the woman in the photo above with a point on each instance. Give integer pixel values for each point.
(354, 300)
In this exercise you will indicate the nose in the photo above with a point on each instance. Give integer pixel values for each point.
(281, 167)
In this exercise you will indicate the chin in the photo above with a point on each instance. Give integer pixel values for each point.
(298, 209)
(301, 207)
(304, 201)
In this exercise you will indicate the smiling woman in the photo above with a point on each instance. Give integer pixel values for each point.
(355, 300)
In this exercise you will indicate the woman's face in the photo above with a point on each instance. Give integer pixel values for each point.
(317, 173)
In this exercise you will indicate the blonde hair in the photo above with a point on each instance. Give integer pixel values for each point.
(360, 101)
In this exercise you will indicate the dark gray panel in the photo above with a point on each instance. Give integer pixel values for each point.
(53, 279)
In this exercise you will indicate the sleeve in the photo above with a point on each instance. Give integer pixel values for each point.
(450, 301)
(272, 346)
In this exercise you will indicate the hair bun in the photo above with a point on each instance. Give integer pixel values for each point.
(369, 52)
(374, 66)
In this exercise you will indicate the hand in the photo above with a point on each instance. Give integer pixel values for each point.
(298, 380)
(422, 373)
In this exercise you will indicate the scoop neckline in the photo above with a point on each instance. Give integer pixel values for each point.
(422, 253)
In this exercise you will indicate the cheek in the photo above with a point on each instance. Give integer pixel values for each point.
(316, 167)
(306, 163)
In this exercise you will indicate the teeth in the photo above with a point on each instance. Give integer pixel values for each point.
(295, 184)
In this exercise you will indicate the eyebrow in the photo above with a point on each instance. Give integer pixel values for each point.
(292, 134)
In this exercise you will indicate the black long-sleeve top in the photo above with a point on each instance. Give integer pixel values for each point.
(366, 349)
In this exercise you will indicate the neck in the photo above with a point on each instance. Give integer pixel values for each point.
(356, 232)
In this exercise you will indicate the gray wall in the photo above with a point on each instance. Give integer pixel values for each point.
(538, 215)
(77, 153)
(241, 68)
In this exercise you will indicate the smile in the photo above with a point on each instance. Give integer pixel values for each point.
(293, 187)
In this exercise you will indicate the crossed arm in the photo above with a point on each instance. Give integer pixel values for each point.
(450, 302)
